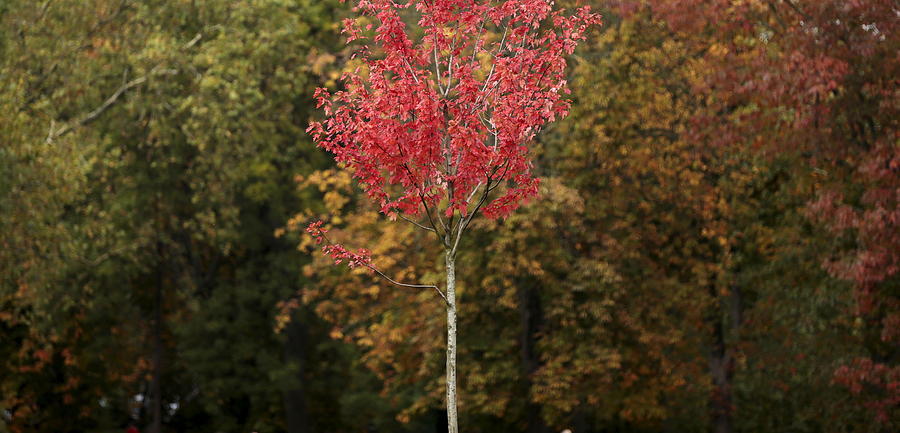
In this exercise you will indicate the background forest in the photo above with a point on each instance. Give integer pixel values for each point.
(716, 246)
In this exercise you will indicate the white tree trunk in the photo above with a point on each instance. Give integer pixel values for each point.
(452, 423)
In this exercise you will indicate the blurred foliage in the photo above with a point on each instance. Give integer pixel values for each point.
(699, 258)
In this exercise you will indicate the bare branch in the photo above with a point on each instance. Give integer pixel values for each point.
(389, 279)
(412, 286)
(44, 8)
(193, 41)
(478, 38)
(472, 194)
(93, 115)
(415, 223)
(424, 203)
(799, 11)
(494, 59)
(437, 69)
(411, 71)
(97, 112)
(464, 222)
(102, 257)
(449, 74)
(421, 196)
(431, 221)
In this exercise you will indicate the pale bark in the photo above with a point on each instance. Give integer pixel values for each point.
(452, 422)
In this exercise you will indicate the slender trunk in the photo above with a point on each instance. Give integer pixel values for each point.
(721, 400)
(529, 324)
(295, 407)
(721, 362)
(296, 413)
(155, 386)
(579, 421)
(452, 423)
(156, 357)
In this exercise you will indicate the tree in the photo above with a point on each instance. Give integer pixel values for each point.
(146, 158)
(704, 240)
(820, 77)
(435, 123)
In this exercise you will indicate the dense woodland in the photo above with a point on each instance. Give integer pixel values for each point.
(715, 247)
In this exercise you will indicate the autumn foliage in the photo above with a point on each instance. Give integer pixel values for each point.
(447, 115)
(691, 217)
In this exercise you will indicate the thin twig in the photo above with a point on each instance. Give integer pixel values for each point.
(411, 71)
(193, 42)
(391, 280)
(412, 286)
(437, 67)
(422, 198)
(464, 221)
(799, 11)
(472, 194)
(44, 8)
(415, 223)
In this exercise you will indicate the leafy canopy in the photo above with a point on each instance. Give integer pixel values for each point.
(445, 110)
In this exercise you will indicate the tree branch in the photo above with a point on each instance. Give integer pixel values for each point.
(412, 286)
(424, 203)
(464, 223)
(93, 115)
(799, 11)
(369, 265)
(415, 223)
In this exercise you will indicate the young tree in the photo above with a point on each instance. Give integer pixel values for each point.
(435, 120)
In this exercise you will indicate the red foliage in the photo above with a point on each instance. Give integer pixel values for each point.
(877, 379)
(821, 76)
(361, 257)
(451, 112)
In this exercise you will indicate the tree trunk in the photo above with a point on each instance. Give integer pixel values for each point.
(721, 398)
(529, 325)
(721, 361)
(296, 412)
(579, 421)
(155, 384)
(452, 423)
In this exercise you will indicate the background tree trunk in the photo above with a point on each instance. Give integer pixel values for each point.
(155, 384)
(721, 361)
(295, 407)
(529, 325)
